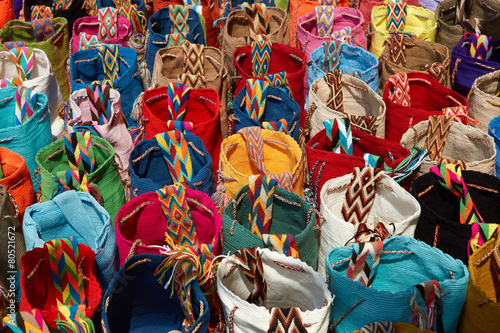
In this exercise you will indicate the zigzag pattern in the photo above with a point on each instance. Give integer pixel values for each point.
(283, 244)
(285, 180)
(24, 59)
(335, 100)
(360, 194)
(379, 327)
(286, 321)
(331, 59)
(460, 113)
(136, 17)
(365, 123)
(278, 126)
(177, 102)
(87, 41)
(177, 155)
(378, 232)
(88, 126)
(364, 262)
(194, 58)
(179, 16)
(338, 136)
(334, 3)
(100, 103)
(437, 132)
(193, 81)
(251, 265)
(43, 29)
(175, 39)
(396, 16)
(261, 57)
(110, 63)
(397, 49)
(62, 4)
(374, 161)
(255, 146)
(258, 19)
(108, 23)
(26, 104)
(13, 44)
(261, 198)
(437, 70)
(11, 82)
(25, 319)
(400, 92)
(481, 46)
(80, 152)
(324, 20)
(39, 12)
(280, 80)
(344, 35)
(255, 98)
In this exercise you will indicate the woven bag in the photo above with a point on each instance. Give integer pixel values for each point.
(78, 215)
(98, 109)
(440, 221)
(343, 23)
(41, 79)
(89, 66)
(56, 47)
(12, 239)
(276, 109)
(164, 31)
(366, 7)
(60, 171)
(351, 60)
(26, 321)
(262, 291)
(7, 10)
(70, 10)
(412, 97)
(481, 308)
(253, 23)
(387, 326)
(153, 163)
(401, 280)
(150, 304)
(418, 22)
(465, 69)
(452, 25)
(48, 277)
(17, 179)
(404, 54)
(87, 33)
(388, 211)
(493, 129)
(175, 65)
(450, 141)
(484, 104)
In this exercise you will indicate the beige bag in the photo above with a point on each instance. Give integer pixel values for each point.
(484, 104)
(364, 107)
(419, 56)
(173, 65)
(239, 31)
(469, 146)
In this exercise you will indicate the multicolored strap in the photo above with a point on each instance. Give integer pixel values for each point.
(177, 155)
(460, 114)
(80, 152)
(110, 62)
(365, 124)
(261, 58)
(175, 39)
(99, 103)
(193, 81)
(331, 59)
(437, 132)
(39, 12)
(338, 136)
(26, 321)
(378, 231)
(258, 21)
(481, 46)
(24, 59)
(11, 82)
(400, 92)
(43, 29)
(255, 146)
(255, 98)
(360, 195)
(285, 180)
(178, 95)
(429, 318)
(25, 104)
(325, 17)
(437, 70)
(396, 16)
(87, 41)
(88, 126)
(108, 23)
(280, 80)
(194, 58)
(251, 266)
(179, 16)
(135, 16)
(344, 35)
(182, 126)
(378, 327)
(335, 100)
(403, 169)
(364, 262)
(62, 4)
(283, 244)
(334, 3)
(278, 126)
(14, 44)
(397, 49)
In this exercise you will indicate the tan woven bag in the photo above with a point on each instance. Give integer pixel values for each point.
(484, 103)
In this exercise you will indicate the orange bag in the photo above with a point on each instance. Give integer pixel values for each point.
(8, 12)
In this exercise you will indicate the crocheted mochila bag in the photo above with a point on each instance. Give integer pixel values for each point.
(400, 280)
(459, 209)
(484, 100)
(27, 321)
(263, 291)
(366, 8)
(169, 158)
(282, 221)
(39, 9)
(449, 141)
(387, 210)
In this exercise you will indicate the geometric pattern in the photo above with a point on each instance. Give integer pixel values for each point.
(175, 39)
(437, 132)
(250, 263)
(324, 20)
(178, 95)
(397, 49)
(27, 321)
(194, 59)
(364, 123)
(437, 70)
(193, 81)
(258, 20)
(100, 103)
(110, 63)
(401, 89)
(39, 12)
(280, 80)
(179, 15)
(87, 41)
(364, 262)
(43, 29)
(278, 126)
(261, 198)
(331, 60)
(338, 136)
(62, 4)
(108, 23)
(25, 104)
(335, 98)
(255, 146)
(430, 317)
(378, 327)
(396, 16)
(80, 152)
(256, 97)
(460, 113)
(177, 155)
(286, 320)
(261, 58)
(481, 46)
(135, 16)
(344, 35)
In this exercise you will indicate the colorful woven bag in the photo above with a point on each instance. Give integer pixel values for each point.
(253, 23)
(78, 215)
(173, 26)
(364, 206)
(54, 42)
(338, 95)
(351, 60)
(404, 54)
(398, 280)
(387, 326)
(366, 8)
(473, 57)
(459, 209)
(7, 10)
(263, 105)
(447, 140)
(25, 125)
(82, 162)
(17, 179)
(262, 291)
(168, 158)
(97, 109)
(26, 322)
(412, 97)
(400, 18)
(177, 106)
(196, 66)
(154, 303)
(31, 68)
(325, 23)
(60, 280)
(484, 100)
(71, 10)
(113, 65)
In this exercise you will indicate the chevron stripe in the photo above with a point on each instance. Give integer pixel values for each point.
(261, 58)
(87, 41)
(255, 98)
(397, 49)
(430, 316)
(182, 126)
(437, 70)
(26, 104)
(175, 39)
(250, 264)
(10, 82)
(278, 126)
(364, 262)
(178, 95)
(39, 12)
(364, 123)
(400, 92)
(283, 244)
(62, 4)
(324, 20)
(460, 113)
(379, 327)
(437, 132)
(108, 23)
(100, 103)
(179, 16)
(261, 198)
(110, 63)
(255, 146)
(344, 35)
(280, 80)
(481, 46)
(335, 100)
(334, 3)
(396, 16)
(259, 20)
(194, 58)
(192, 81)
(177, 155)
(43, 29)
(286, 320)
(24, 60)
(338, 136)
(80, 152)
(331, 59)
(135, 16)
(285, 180)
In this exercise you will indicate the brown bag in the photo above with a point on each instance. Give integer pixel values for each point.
(173, 65)
(484, 103)
(406, 54)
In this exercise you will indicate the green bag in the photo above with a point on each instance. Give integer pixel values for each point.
(97, 173)
(294, 226)
(56, 47)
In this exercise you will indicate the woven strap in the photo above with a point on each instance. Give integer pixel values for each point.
(87, 41)
(405, 168)
(110, 62)
(179, 16)
(108, 23)
(437, 132)
(378, 327)
(258, 21)
(178, 95)
(261, 58)
(344, 35)
(175, 39)
(136, 17)
(427, 318)
(182, 126)
(80, 152)
(400, 92)
(24, 59)
(88, 126)
(377, 231)
(437, 70)
(460, 114)
(338, 136)
(481, 47)
(255, 146)
(331, 59)
(364, 262)
(280, 80)
(278, 126)
(32, 321)
(325, 17)
(255, 98)
(334, 3)
(193, 71)
(26, 104)
(43, 29)
(10, 82)
(62, 4)
(251, 266)
(39, 12)
(365, 124)
(99, 103)
(335, 100)
(396, 16)
(177, 155)
(397, 49)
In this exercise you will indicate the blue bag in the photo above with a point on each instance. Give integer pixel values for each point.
(493, 131)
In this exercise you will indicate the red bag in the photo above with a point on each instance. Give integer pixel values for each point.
(427, 97)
